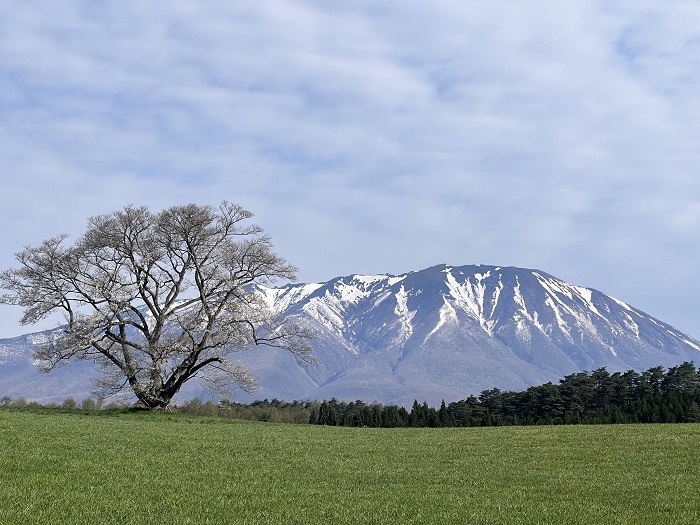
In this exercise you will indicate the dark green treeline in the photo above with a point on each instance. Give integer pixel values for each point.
(598, 397)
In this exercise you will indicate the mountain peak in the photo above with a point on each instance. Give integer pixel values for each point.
(473, 327)
(443, 332)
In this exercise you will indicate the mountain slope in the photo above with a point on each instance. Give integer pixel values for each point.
(448, 332)
(451, 331)
(19, 376)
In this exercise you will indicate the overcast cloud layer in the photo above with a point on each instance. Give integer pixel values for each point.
(371, 137)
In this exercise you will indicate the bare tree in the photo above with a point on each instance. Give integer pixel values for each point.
(157, 298)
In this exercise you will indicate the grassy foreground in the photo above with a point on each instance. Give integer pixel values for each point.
(138, 468)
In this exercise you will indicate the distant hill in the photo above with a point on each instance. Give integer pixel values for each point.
(440, 333)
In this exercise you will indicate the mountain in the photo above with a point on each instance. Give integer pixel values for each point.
(440, 333)
(19, 376)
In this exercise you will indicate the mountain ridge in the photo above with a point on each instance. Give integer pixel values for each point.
(447, 332)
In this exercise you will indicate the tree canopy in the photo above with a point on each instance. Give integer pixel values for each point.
(157, 299)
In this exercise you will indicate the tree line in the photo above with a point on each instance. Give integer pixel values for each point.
(598, 397)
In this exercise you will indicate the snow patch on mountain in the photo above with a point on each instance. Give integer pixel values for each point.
(447, 314)
(471, 297)
(282, 298)
(405, 316)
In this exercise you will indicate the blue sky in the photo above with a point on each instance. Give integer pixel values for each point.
(371, 137)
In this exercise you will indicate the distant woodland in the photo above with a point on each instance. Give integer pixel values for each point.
(597, 397)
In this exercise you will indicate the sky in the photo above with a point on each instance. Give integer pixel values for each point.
(371, 137)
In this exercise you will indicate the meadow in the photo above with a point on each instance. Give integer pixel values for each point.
(75, 467)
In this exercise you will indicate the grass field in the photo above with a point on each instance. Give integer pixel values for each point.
(140, 468)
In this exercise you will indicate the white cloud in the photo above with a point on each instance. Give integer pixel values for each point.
(371, 137)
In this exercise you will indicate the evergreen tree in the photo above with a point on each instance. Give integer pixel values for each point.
(443, 416)
(693, 414)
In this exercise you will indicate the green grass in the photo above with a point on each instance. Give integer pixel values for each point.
(140, 468)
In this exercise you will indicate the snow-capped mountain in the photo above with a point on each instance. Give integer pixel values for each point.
(445, 333)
